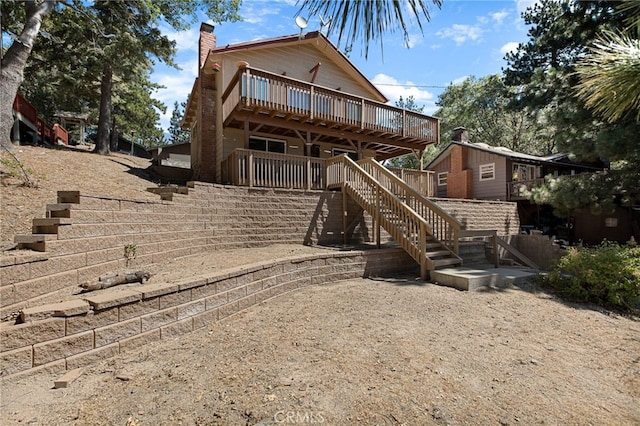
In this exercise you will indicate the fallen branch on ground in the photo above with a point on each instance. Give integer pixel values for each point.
(107, 281)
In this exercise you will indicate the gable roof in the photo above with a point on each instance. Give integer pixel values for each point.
(315, 38)
(559, 159)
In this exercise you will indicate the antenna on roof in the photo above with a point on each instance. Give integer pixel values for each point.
(324, 23)
(302, 24)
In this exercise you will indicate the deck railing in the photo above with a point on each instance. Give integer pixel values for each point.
(445, 228)
(407, 226)
(257, 89)
(421, 180)
(246, 167)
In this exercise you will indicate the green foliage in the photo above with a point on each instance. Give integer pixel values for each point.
(482, 106)
(15, 169)
(608, 275)
(544, 72)
(80, 40)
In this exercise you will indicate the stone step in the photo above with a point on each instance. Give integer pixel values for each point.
(35, 242)
(48, 225)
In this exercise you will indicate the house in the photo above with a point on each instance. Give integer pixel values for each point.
(265, 109)
(478, 171)
(30, 129)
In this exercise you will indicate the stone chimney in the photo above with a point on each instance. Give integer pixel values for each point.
(207, 42)
(460, 134)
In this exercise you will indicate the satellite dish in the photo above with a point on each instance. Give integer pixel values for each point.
(301, 22)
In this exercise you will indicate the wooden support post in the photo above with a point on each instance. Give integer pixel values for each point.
(496, 255)
(344, 215)
(423, 252)
(377, 217)
(309, 177)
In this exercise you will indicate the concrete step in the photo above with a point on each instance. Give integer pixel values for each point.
(465, 278)
(448, 261)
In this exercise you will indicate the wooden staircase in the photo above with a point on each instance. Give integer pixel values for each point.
(427, 233)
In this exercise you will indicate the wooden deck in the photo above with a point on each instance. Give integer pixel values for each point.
(282, 105)
(245, 167)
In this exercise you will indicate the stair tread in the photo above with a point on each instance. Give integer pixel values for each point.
(446, 262)
(51, 221)
(34, 238)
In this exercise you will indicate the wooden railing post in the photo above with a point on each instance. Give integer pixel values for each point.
(309, 177)
(423, 252)
(251, 170)
(378, 216)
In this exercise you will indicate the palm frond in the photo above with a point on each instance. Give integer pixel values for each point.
(610, 77)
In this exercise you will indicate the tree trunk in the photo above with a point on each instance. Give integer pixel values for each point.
(104, 120)
(13, 63)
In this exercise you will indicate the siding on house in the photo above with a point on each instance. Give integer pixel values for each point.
(296, 62)
(441, 167)
(494, 189)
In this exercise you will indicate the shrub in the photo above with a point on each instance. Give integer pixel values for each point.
(608, 275)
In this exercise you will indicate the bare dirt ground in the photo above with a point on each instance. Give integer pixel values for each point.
(384, 351)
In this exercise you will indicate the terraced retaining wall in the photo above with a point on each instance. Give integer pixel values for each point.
(86, 236)
(101, 324)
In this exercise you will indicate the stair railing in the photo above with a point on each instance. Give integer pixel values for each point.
(406, 226)
(446, 228)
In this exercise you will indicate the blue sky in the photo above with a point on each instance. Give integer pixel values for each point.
(464, 38)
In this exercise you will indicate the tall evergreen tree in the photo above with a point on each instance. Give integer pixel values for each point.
(176, 133)
(124, 38)
(482, 106)
(544, 70)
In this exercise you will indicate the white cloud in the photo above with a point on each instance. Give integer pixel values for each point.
(459, 80)
(393, 89)
(177, 87)
(522, 5)
(185, 40)
(509, 47)
(499, 16)
(414, 40)
(258, 15)
(460, 33)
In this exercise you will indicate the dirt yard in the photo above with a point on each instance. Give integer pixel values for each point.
(387, 351)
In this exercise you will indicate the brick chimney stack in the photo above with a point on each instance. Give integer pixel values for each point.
(460, 134)
(207, 42)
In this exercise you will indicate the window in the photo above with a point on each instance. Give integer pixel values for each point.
(442, 179)
(268, 145)
(351, 154)
(611, 222)
(524, 172)
(488, 171)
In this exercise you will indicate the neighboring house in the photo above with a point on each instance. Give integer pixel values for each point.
(174, 155)
(30, 129)
(478, 171)
(286, 105)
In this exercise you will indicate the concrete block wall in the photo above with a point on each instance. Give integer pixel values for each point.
(92, 232)
(539, 248)
(101, 324)
(481, 215)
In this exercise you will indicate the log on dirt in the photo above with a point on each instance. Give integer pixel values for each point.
(107, 281)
